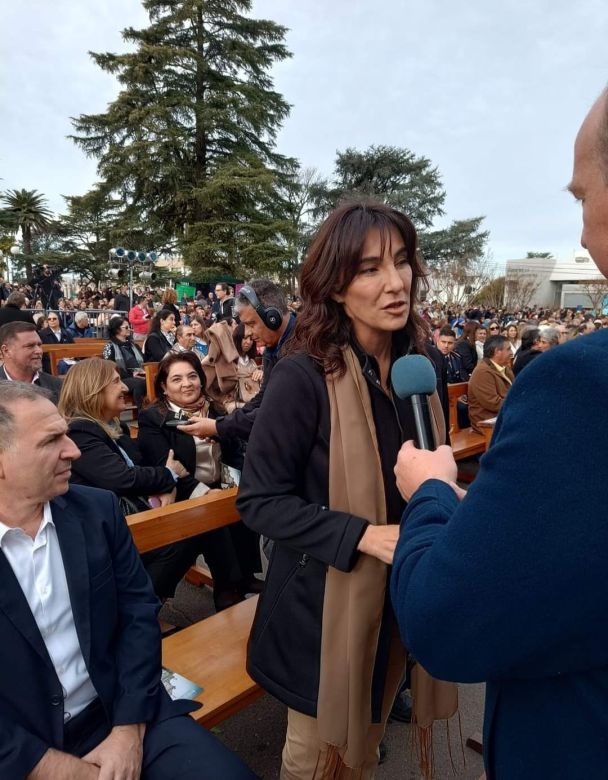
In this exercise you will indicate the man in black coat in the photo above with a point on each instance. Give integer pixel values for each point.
(21, 350)
(12, 311)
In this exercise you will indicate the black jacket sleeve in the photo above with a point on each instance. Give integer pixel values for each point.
(468, 355)
(280, 457)
(154, 349)
(101, 465)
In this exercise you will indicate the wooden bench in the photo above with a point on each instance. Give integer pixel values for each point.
(211, 653)
(82, 348)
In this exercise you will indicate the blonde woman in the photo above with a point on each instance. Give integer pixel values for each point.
(92, 399)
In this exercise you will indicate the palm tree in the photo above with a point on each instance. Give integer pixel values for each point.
(26, 209)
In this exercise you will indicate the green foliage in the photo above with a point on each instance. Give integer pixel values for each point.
(188, 144)
(413, 185)
(395, 175)
(545, 255)
(26, 210)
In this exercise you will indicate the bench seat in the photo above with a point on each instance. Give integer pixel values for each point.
(212, 653)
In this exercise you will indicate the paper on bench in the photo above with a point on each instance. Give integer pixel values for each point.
(179, 687)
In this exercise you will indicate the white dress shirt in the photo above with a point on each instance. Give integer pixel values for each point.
(38, 566)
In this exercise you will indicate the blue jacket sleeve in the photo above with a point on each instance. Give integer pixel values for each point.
(511, 582)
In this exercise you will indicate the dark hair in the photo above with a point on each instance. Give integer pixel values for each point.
(529, 337)
(17, 299)
(447, 331)
(322, 328)
(156, 320)
(222, 285)
(469, 331)
(269, 294)
(169, 360)
(494, 343)
(238, 336)
(115, 325)
(10, 330)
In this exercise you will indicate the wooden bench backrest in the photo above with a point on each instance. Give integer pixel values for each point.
(158, 527)
(83, 348)
(151, 370)
(454, 393)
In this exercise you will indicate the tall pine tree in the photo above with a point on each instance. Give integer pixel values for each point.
(189, 143)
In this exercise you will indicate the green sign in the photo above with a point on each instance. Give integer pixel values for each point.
(185, 290)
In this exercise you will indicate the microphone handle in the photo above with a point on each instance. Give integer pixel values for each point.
(422, 421)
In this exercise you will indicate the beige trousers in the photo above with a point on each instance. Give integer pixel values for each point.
(303, 758)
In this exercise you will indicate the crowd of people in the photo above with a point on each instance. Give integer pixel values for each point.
(383, 572)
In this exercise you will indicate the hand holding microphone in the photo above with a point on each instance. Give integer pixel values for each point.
(413, 378)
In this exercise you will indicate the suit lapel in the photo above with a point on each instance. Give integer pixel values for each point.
(14, 605)
(73, 551)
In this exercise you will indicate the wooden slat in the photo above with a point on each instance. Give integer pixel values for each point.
(84, 348)
(199, 576)
(151, 370)
(454, 393)
(212, 654)
(157, 527)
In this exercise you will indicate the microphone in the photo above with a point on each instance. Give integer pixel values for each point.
(413, 377)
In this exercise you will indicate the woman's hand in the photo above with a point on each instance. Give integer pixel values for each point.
(167, 498)
(175, 465)
(380, 541)
(199, 426)
(257, 375)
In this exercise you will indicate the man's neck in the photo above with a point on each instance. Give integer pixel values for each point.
(17, 375)
(25, 515)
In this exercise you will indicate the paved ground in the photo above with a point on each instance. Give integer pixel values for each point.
(256, 734)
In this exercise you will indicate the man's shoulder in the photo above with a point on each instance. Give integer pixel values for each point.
(87, 503)
(49, 381)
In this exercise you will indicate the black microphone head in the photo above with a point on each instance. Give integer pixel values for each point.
(413, 375)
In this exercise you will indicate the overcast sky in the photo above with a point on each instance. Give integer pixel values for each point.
(493, 93)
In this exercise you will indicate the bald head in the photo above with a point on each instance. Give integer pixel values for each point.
(589, 182)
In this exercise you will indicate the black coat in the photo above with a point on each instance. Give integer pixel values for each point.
(102, 465)
(284, 494)
(11, 313)
(468, 353)
(156, 347)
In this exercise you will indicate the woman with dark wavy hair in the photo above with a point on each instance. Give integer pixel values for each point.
(319, 482)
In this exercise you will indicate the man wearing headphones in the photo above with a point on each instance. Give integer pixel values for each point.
(262, 308)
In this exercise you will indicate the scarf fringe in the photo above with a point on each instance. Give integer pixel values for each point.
(421, 743)
(330, 766)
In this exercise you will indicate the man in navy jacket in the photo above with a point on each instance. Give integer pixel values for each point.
(508, 585)
(80, 688)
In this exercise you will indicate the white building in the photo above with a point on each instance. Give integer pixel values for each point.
(553, 282)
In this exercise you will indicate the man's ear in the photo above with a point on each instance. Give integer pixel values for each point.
(1, 465)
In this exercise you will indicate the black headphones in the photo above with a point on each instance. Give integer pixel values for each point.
(271, 317)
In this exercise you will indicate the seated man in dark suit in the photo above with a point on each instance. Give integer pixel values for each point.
(446, 339)
(80, 675)
(21, 351)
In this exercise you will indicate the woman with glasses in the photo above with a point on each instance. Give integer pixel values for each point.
(123, 351)
(54, 334)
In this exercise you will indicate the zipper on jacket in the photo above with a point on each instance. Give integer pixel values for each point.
(304, 560)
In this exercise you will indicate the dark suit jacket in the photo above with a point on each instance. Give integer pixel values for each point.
(114, 611)
(47, 381)
(48, 337)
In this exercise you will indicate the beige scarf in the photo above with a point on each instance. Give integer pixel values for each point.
(354, 601)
